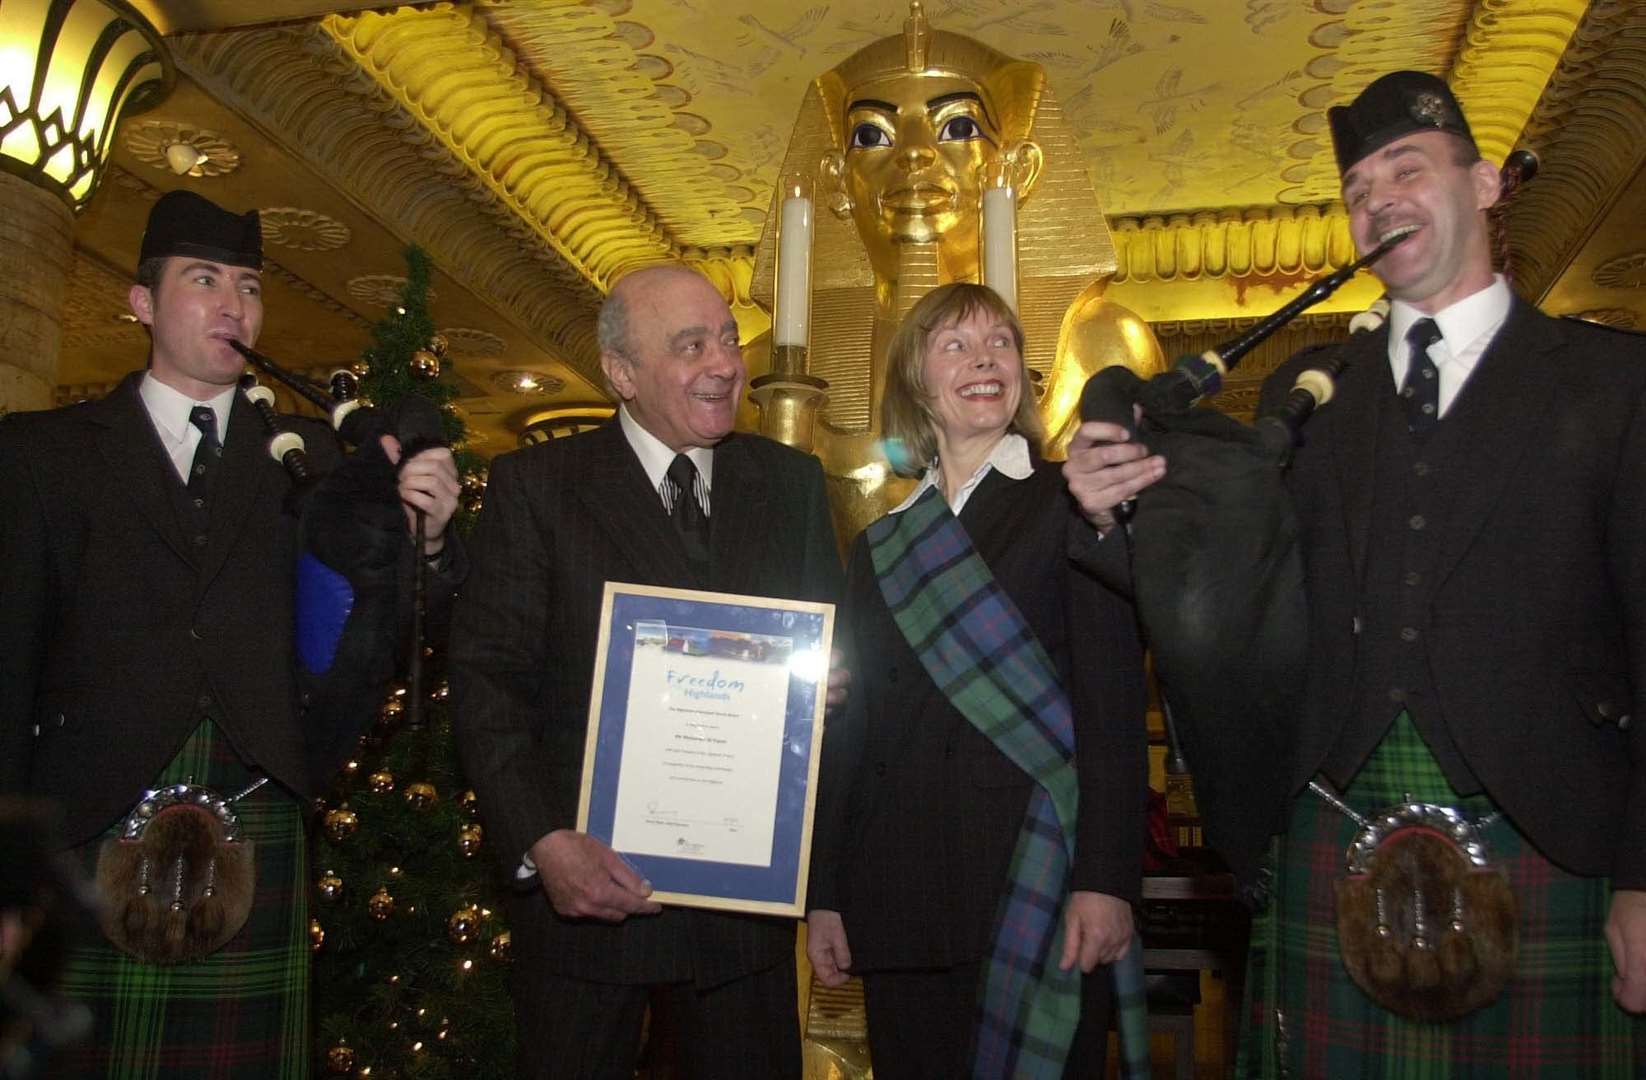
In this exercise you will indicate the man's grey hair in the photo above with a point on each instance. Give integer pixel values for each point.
(612, 327)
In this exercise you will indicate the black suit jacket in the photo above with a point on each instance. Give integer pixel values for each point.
(119, 628)
(560, 520)
(1535, 615)
(918, 812)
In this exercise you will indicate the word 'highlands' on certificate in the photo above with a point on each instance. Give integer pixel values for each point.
(703, 745)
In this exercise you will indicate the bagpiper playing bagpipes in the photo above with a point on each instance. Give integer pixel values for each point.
(158, 677)
(1408, 640)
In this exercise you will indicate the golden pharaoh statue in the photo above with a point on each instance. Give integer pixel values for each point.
(899, 137)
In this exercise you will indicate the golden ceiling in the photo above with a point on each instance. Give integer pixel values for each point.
(537, 149)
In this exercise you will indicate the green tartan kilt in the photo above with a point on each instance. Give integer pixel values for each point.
(242, 1012)
(1305, 1018)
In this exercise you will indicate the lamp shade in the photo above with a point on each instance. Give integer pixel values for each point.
(69, 69)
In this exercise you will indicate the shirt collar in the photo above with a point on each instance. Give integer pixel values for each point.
(655, 455)
(1010, 457)
(1461, 324)
(169, 408)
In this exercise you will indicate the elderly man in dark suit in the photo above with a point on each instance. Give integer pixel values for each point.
(1472, 506)
(147, 574)
(664, 494)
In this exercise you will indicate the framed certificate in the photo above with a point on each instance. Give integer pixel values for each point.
(705, 723)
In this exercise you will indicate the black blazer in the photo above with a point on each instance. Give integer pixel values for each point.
(119, 629)
(1535, 616)
(918, 812)
(560, 520)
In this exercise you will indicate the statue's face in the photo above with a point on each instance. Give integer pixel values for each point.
(914, 145)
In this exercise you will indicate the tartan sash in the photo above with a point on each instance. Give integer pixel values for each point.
(981, 653)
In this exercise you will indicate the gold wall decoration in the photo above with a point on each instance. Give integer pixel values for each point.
(303, 230)
(1258, 240)
(1622, 318)
(158, 142)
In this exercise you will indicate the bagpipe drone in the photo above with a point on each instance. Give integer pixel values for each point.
(352, 617)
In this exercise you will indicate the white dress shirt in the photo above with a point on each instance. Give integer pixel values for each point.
(1466, 329)
(655, 457)
(169, 412)
(1009, 456)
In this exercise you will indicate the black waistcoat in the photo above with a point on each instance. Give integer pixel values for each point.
(1409, 517)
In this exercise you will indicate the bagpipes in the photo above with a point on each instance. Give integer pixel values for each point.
(350, 608)
(1217, 573)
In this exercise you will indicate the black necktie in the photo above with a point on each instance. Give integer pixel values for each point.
(1421, 392)
(687, 512)
(207, 453)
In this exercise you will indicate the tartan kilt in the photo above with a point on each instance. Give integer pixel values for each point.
(243, 1011)
(1306, 1018)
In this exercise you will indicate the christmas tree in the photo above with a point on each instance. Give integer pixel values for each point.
(411, 953)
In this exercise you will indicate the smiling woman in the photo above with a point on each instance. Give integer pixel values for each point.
(956, 384)
(987, 771)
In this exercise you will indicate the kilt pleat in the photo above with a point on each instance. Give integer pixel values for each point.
(242, 1012)
(1306, 1018)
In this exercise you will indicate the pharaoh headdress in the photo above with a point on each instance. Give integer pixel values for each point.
(1063, 239)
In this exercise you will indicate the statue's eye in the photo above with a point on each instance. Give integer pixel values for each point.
(960, 129)
(867, 135)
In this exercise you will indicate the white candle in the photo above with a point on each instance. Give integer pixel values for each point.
(794, 272)
(1000, 242)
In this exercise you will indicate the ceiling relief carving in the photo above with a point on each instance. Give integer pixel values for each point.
(380, 290)
(1586, 130)
(305, 230)
(166, 145)
(1624, 272)
(298, 82)
(472, 342)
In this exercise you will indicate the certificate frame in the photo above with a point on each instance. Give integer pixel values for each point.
(717, 664)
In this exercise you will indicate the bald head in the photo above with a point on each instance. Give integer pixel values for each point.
(612, 328)
(669, 350)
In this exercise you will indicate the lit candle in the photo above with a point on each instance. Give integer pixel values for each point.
(792, 319)
(1000, 240)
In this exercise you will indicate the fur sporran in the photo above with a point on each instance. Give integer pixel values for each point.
(178, 882)
(1426, 925)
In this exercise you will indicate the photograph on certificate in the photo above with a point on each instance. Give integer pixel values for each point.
(705, 724)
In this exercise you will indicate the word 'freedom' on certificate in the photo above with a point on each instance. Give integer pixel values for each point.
(703, 745)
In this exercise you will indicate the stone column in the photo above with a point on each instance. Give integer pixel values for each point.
(36, 247)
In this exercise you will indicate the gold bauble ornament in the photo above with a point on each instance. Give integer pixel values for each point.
(389, 716)
(360, 369)
(422, 795)
(469, 804)
(463, 925)
(500, 946)
(381, 904)
(340, 824)
(438, 345)
(441, 692)
(381, 782)
(468, 840)
(340, 1059)
(425, 365)
(330, 886)
(317, 935)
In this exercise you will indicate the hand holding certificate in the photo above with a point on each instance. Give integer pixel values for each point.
(704, 727)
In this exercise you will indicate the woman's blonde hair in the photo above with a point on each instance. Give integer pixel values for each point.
(907, 420)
